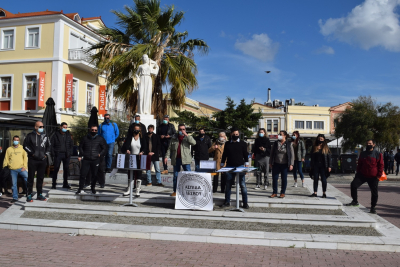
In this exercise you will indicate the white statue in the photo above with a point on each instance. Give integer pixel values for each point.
(145, 84)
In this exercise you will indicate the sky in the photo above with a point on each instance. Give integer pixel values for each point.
(318, 52)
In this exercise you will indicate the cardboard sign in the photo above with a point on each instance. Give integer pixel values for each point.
(135, 162)
(194, 191)
(69, 80)
(120, 161)
(102, 100)
(145, 162)
(41, 89)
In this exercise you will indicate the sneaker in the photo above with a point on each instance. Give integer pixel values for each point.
(164, 172)
(67, 186)
(159, 184)
(93, 191)
(282, 196)
(29, 198)
(257, 187)
(102, 186)
(41, 197)
(53, 186)
(149, 184)
(265, 187)
(1, 194)
(302, 185)
(273, 195)
(173, 194)
(324, 196)
(295, 185)
(353, 204)
(225, 205)
(14, 200)
(373, 210)
(87, 186)
(246, 206)
(313, 195)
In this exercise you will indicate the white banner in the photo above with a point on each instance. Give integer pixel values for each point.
(132, 162)
(121, 161)
(194, 191)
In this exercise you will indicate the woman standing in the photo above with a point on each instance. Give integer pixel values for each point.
(135, 144)
(261, 151)
(218, 149)
(299, 155)
(281, 160)
(320, 164)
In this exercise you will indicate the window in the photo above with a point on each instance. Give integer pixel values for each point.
(269, 126)
(5, 87)
(308, 124)
(31, 85)
(255, 129)
(74, 94)
(33, 37)
(89, 97)
(2, 13)
(299, 124)
(275, 125)
(319, 125)
(8, 39)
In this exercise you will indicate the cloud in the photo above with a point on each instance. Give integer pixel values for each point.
(325, 50)
(370, 24)
(222, 34)
(260, 47)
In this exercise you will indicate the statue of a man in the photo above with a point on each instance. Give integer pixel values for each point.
(145, 84)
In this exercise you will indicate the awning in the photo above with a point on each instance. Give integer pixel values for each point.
(336, 143)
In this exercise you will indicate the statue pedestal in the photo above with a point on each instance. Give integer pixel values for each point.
(147, 120)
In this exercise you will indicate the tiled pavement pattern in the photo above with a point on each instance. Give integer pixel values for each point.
(388, 202)
(23, 248)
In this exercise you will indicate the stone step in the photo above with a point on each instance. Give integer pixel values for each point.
(352, 219)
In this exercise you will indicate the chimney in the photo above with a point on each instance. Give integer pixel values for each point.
(269, 102)
(292, 101)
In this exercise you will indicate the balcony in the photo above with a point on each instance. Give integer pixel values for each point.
(81, 59)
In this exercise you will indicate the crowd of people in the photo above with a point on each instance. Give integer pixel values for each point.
(97, 147)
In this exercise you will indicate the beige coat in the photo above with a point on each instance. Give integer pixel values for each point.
(218, 154)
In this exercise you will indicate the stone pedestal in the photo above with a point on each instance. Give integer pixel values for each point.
(147, 120)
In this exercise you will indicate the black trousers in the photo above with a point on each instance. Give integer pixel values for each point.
(373, 186)
(164, 148)
(61, 157)
(101, 176)
(38, 167)
(319, 171)
(89, 166)
(223, 182)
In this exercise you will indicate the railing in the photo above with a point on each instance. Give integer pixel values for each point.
(79, 55)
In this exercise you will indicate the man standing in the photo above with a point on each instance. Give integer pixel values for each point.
(391, 162)
(166, 130)
(137, 121)
(110, 132)
(17, 161)
(37, 145)
(61, 150)
(91, 149)
(179, 152)
(235, 154)
(369, 169)
(397, 158)
(153, 141)
(203, 143)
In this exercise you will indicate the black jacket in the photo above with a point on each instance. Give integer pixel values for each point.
(142, 128)
(201, 148)
(155, 146)
(397, 157)
(262, 142)
(327, 160)
(37, 146)
(56, 140)
(235, 153)
(90, 147)
(127, 144)
(170, 131)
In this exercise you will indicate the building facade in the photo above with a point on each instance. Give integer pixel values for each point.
(273, 120)
(335, 112)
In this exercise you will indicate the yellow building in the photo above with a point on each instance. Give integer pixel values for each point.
(44, 54)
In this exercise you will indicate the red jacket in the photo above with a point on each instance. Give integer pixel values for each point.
(370, 164)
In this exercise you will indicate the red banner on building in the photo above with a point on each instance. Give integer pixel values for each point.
(41, 88)
(102, 100)
(69, 80)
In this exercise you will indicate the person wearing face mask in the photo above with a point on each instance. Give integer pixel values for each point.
(137, 121)
(135, 144)
(369, 170)
(261, 152)
(165, 130)
(110, 132)
(153, 141)
(235, 155)
(61, 150)
(320, 164)
(203, 143)
(281, 161)
(37, 145)
(179, 152)
(218, 149)
(16, 160)
(91, 149)
(299, 156)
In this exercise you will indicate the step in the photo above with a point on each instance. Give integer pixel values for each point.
(352, 219)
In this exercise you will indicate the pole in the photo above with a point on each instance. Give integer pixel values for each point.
(237, 196)
(131, 190)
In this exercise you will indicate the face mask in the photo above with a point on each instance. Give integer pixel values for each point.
(16, 143)
(150, 133)
(180, 133)
(201, 135)
(369, 147)
(235, 137)
(221, 139)
(165, 121)
(136, 131)
(319, 142)
(93, 133)
(41, 130)
(107, 120)
(280, 137)
(294, 137)
(261, 134)
(137, 122)
(64, 130)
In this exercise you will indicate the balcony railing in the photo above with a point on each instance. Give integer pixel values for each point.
(79, 55)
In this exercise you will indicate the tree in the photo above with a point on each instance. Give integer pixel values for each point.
(368, 120)
(146, 28)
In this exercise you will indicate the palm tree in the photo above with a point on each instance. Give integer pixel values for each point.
(146, 28)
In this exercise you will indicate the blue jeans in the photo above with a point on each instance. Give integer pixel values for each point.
(14, 176)
(297, 167)
(109, 155)
(230, 177)
(177, 169)
(281, 169)
(158, 172)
